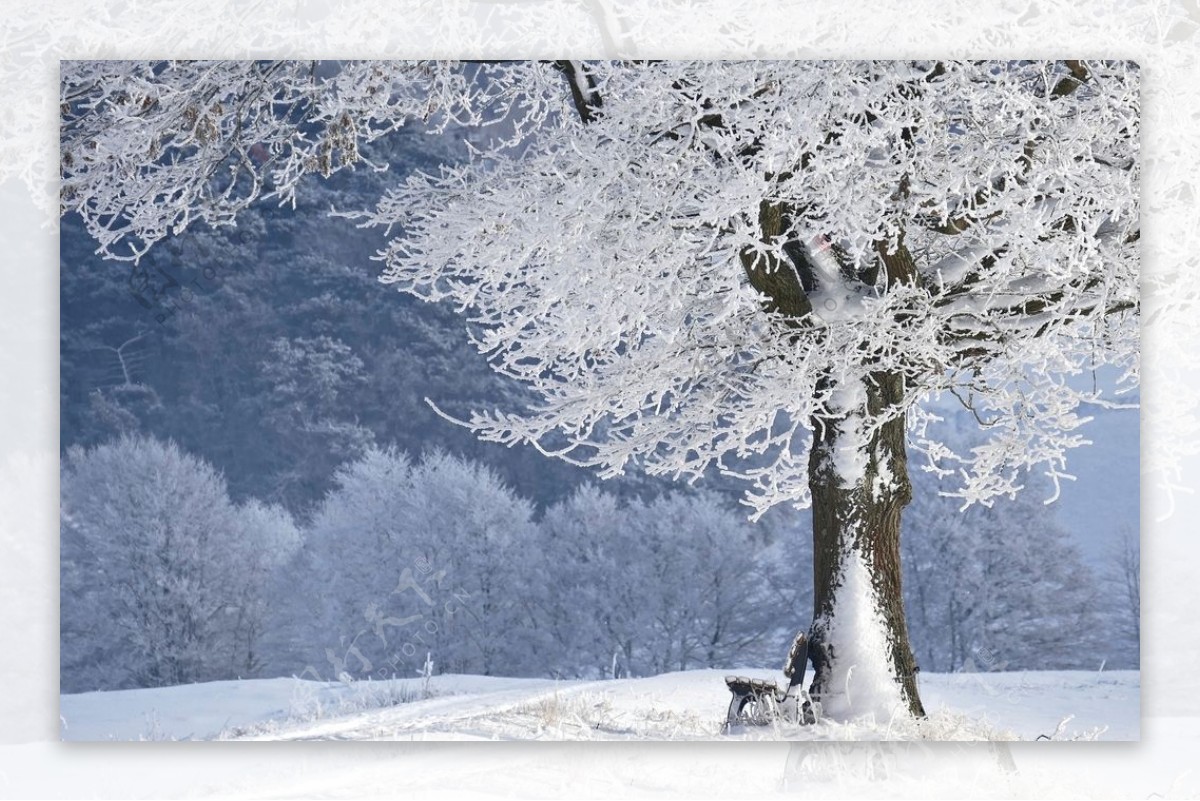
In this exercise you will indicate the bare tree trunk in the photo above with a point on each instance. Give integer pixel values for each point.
(863, 518)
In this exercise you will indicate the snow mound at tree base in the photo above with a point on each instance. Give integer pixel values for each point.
(863, 682)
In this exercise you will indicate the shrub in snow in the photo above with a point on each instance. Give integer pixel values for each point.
(405, 558)
(646, 587)
(161, 575)
(1001, 588)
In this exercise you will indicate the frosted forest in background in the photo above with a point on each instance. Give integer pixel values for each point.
(253, 486)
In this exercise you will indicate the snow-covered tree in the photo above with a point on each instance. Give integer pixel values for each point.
(162, 576)
(1000, 587)
(590, 609)
(758, 267)
(304, 377)
(706, 597)
(266, 541)
(640, 588)
(1122, 576)
(406, 558)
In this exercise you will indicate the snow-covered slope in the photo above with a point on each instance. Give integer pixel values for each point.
(674, 706)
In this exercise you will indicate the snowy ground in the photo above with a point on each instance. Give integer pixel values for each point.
(674, 706)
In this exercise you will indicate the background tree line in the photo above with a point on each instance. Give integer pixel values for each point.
(165, 580)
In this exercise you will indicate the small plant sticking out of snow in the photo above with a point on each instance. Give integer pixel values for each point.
(154, 730)
(862, 655)
(1087, 734)
(426, 674)
(572, 716)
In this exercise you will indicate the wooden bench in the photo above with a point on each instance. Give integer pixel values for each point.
(757, 702)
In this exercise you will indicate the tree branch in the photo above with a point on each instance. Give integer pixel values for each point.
(1078, 74)
(776, 279)
(584, 93)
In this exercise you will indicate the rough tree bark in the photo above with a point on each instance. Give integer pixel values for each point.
(864, 519)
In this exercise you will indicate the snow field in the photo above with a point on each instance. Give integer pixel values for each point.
(674, 706)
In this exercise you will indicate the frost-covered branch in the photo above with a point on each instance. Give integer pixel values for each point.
(150, 147)
(685, 260)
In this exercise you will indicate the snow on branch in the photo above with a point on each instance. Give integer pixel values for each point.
(150, 147)
(684, 260)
